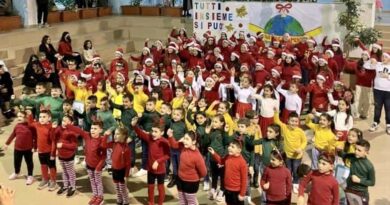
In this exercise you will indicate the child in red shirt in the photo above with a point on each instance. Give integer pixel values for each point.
(236, 173)
(192, 167)
(66, 143)
(95, 156)
(324, 188)
(25, 140)
(277, 181)
(158, 154)
(120, 163)
(46, 149)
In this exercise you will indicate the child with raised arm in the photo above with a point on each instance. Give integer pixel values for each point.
(294, 144)
(293, 102)
(95, 156)
(191, 168)
(236, 173)
(25, 141)
(158, 154)
(276, 180)
(121, 163)
(324, 187)
(362, 175)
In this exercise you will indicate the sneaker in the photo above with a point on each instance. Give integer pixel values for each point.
(249, 201)
(14, 176)
(220, 197)
(373, 127)
(53, 186)
(141, 173)
(388, 129)
(40, 25)
(295, 188)
(46, 25)
(212, 194)
(43, 184)
(99, 200)
(77, 160)
(363, 117)
(206, 186)
(132, 171)
(62, 190)
(92, 201)
(71, 192)
(30, 180)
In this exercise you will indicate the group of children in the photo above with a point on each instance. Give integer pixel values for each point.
(203, 109)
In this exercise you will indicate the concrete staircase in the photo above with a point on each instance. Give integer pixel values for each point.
(385, 39)
(106, 34)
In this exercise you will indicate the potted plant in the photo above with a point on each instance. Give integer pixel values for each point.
(54, 16)
(88, 13)
(169, 9)
(132, 9)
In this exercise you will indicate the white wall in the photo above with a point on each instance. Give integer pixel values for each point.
(27, 9)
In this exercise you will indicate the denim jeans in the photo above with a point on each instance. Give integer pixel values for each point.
(381, 99)
(144, 161)
(315, 154)
(292, 165)
(175, 158)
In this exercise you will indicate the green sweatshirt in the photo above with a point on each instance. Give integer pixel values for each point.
(148, 119)
(217, 140)
(203, 142)
(54, 103)
(268, 146)
(247, 150)
(127, 115)
(35, 102)
(88, 118)
(109, 122)
(362, 168)
(179, 129)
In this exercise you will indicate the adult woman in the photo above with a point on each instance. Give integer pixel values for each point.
(6, 91)
(47, 48)
(382, 92)
(33, 73)
(88, 52)
(65, 48)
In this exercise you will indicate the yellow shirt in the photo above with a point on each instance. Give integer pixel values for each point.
(80, 94)
(99, 95)
(293, 139)
(159, 105)
(351, 150)
(116, 98)
(254, 130)
(210, 112)
(324, 138)
(177, 102)
(140, 99)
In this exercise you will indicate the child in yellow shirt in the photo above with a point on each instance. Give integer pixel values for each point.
(294, 143)
(254, 130)
(140, 98)
(81, 94)
(223, 109)
(177, 102)
(100, 92)
(324, 138)
(116, 96)
(348, 147)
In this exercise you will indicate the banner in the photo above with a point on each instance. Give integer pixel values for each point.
(297, 19)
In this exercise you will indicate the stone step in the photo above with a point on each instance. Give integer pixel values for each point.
(385, 34)
(382, 27)
(17, 70)
(9, 62)
(3, 54)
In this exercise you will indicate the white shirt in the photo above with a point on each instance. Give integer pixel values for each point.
(243, 95)
(339, 120)
(293, 101)
(382, 78)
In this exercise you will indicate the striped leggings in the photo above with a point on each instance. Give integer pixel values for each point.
(68, 174)
(187, 199)
(122, 196)
(96, 182)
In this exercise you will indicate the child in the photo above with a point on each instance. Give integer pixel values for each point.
(66, 144)
(255, 130)
(349, 146)
(318, 91)
(217, 140)
(46, 149)
(324, 138)
(156, 94)
(25, 142)
(116, 96)
(177, 101)
(292, 103)
(178, 127)
(158, 154)
(95, 156)
(243, 92)
(140, 98)
(81, 94)
(276, 181)
(324, 189)
(294, 144)
(191, 169)
(146, 121)
(121, 163)
(100, 92)
(236, 173)
(362, 175)
(223, 109)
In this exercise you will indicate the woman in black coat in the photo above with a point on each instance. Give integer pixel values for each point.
(33, 73)
(47, 48)
(6, 91)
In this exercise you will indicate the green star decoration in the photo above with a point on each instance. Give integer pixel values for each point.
(241, 12)
(229, 27)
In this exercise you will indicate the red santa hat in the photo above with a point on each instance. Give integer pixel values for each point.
(207, 34)
(149, 60)
(146, 49)
(311, 40)
(190, 43)
(119, 51)
(321, 77)
(259, 34)
(96, 57)
(330, 52)
(260, 62)
(220, 57)
(377, 45)
(336, 42)
(272, 51)
(165, 79)
(158, 42)
(235, 54)
(253, 38)
(297, 74)
(173, 61)
(218, 64)
(323, 58)
(197, 47)
(387, 54)
(338, 83)
(173, 45)
(245, 65)
(245, 45)
(291, 55)
(277, 70)
(365, 52)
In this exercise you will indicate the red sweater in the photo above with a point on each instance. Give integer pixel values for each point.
(26, 138)
(95, 152)
(364, 77)
(192, 166)
(65, 48)
(236, 172)
(211, 95)
(324, 189)
(247, 58)
(269, 64)
(68, 140)
(45, 143)
(121, 156)
(260, 76)
(93, 77)
(280, 183)
(158, 150)
(167, 94)
(319, 97)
